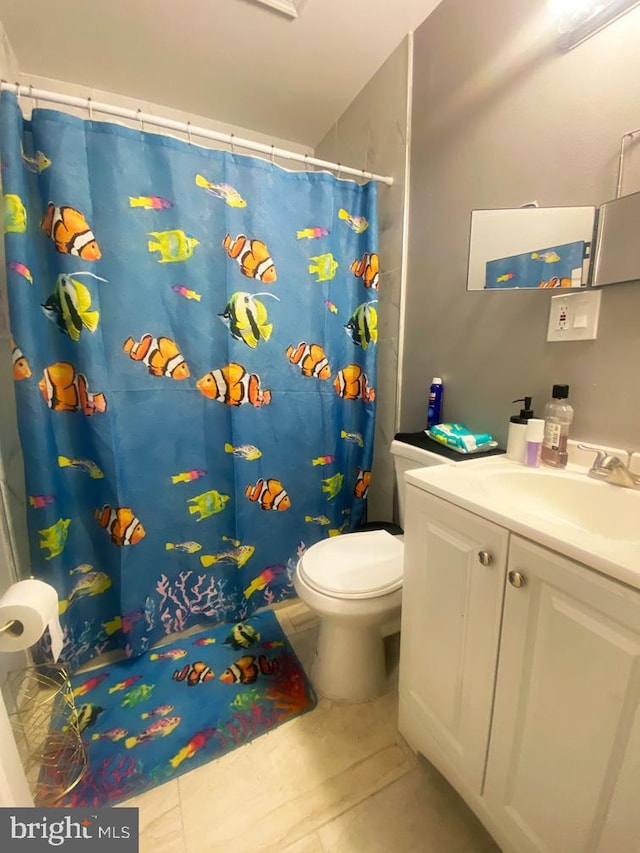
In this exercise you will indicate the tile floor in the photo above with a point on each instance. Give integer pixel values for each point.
(338, 779)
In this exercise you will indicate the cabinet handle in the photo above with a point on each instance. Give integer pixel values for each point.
(485, 558)
(516, 579)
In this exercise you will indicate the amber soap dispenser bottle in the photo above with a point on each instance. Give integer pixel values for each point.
(558, 415)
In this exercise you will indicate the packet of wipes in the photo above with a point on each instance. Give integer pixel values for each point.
(458, 437)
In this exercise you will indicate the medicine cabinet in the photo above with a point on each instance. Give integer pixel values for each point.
(617, 250)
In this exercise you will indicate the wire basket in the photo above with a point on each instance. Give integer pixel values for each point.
(46, 729)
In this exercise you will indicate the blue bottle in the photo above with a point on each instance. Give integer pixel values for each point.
(435, 402)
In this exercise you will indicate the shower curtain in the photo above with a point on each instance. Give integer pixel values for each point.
(194, 363)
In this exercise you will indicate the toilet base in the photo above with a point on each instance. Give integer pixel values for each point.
(349, 664)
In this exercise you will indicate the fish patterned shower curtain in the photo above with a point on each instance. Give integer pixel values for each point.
(194, 363)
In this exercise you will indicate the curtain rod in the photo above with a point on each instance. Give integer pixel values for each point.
(185, 127)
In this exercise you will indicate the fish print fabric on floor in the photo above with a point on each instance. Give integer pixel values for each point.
(195, 335)
(238, 681)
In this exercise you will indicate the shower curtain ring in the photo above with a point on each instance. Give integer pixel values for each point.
(140, 120)
(306, 162)
(189, 133)
(231, 143)
(90, 109)
(272, 147)
(18, 95)
(35, 100)
(339, 170)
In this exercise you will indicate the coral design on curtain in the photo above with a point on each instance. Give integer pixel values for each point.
(195, 371)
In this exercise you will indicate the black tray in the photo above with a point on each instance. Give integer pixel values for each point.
(421, 439)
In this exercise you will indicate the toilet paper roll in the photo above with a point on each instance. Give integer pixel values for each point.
(27, 608)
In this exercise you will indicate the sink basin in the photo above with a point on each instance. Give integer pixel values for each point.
(574, 499)
(594, 522)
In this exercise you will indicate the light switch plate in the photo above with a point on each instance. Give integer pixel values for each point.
(574, 316)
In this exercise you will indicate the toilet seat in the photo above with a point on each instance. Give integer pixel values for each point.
(356, 565)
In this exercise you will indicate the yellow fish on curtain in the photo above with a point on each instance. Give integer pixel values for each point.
(189, 374)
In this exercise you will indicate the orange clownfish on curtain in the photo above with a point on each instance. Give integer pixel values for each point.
(270, 494)
(367, 268)
(70, 231)
(64, 390)
(252, 256)
(363, 481)
(311, 358)
(352, 384)
(21, 369)
(234, 386)
(161, 355)
(121, 523)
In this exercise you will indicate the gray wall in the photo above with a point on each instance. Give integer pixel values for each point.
(372, 133)
(502, 117)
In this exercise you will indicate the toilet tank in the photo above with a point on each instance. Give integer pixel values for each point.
(408, 456)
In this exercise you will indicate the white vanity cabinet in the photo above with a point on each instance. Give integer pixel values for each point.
(520, 682)
(453, 586)
(564, 761)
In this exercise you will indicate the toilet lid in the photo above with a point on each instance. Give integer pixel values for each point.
(356, 565)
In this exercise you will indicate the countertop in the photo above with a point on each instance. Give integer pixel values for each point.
(466, 487)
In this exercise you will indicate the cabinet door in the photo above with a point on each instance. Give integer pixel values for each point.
(564, 761)
(451, 608)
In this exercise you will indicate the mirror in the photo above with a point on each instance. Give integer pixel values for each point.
(530, 247)
(617, 253)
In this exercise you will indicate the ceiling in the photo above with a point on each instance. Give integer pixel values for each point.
(231, 60)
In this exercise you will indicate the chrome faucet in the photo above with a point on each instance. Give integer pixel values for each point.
(609, 468)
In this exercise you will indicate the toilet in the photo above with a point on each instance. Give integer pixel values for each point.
(354, 584)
